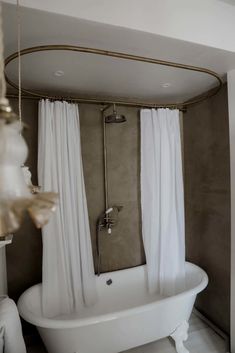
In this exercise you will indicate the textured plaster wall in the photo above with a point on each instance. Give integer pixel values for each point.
(207, 202)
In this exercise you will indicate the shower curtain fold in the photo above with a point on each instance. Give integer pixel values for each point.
(162, 200)
(68, 272)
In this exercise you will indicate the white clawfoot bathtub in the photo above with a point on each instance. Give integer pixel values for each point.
(126, 316)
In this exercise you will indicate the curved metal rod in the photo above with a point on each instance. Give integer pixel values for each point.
(118, 55)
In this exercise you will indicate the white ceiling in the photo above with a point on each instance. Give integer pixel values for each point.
(231, 2)
(94, 75)
(207, 22)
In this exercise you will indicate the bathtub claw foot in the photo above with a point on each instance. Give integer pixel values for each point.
(179, 336)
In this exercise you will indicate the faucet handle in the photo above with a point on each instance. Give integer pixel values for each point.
(109, 210)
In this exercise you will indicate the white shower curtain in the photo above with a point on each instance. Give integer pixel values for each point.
(68, 274)
(162, 200)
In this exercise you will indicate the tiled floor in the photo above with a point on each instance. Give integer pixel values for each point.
(202, 339)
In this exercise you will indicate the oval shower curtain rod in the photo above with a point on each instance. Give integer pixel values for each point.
(40, 95)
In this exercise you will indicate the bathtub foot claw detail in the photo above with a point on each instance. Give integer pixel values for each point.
(179, 336)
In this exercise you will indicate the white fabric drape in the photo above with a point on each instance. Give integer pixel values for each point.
(162, 200)
(68, 271)
(11, 337)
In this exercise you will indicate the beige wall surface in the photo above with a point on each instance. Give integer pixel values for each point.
(207, 202)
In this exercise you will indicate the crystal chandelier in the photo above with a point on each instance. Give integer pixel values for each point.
(17, 194)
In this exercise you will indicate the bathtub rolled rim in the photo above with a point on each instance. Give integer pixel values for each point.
(55, 323)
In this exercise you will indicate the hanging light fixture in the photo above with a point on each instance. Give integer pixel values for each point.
(26, 171)
(17, 194)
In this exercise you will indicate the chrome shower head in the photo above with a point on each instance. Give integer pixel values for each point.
(115, 117)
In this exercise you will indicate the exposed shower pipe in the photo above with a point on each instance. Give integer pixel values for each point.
(106, 220)
(114, 117)
(103, 218)
(100, 222)
(106, 190)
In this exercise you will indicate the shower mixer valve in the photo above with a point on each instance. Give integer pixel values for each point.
(109, 221)
(105, 221)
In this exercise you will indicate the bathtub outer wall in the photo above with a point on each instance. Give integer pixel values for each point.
(121, 333)
(124, 317)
